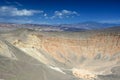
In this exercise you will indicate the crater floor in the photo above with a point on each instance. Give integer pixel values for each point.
(90, 55)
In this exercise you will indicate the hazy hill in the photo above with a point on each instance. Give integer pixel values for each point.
(89, 25)
(62, 27)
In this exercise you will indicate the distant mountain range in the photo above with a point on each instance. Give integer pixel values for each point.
(89, 25)
(63, 27)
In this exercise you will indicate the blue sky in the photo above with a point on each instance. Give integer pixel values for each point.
(59, 11)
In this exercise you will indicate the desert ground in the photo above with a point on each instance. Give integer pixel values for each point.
(31, 54)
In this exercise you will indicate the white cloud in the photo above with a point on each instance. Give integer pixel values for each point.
(14, 14)
(13, 11)
(13, 3)
(17, 3)
(7, 2)
(45, 15)
(64, 14)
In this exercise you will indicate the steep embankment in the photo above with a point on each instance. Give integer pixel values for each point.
(82, 54)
